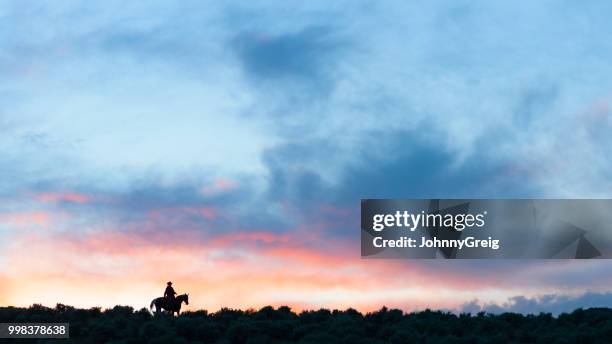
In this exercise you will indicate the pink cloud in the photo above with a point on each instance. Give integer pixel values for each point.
(219, 185)
(64, 196)
(40, 218)
(210, 213)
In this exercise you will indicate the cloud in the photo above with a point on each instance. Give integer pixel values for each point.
(306, 54)
(549, 303)
(401, 164)
(295, 71)
(71, 197)
(22, 219)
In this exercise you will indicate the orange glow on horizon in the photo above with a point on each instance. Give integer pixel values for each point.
(111, 267)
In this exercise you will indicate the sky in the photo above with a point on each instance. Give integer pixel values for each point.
(226, 147)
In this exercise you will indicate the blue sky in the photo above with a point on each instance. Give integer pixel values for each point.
(281, 116)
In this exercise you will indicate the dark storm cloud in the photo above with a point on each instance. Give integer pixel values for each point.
(293, 173)
(400, 164)
(305, 54)
(292, 71)
(396, 164)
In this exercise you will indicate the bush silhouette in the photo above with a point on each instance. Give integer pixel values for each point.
(122, 324)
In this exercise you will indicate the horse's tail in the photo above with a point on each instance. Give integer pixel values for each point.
(152, 303)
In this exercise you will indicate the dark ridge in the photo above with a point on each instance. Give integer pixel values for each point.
(123, 324)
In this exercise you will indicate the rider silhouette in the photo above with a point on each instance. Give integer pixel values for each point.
(169, 292)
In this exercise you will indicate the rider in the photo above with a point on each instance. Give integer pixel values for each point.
(169, 292)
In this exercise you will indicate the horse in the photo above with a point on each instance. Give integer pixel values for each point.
(175, 306)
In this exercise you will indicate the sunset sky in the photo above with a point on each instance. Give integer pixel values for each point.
(226, 147)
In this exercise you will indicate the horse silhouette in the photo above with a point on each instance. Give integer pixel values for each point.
(171, 306)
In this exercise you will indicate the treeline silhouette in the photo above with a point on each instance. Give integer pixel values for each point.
(123, 324)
